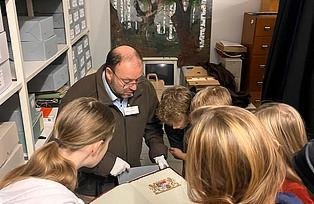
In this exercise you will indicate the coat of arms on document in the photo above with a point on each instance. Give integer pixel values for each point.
(163, 185)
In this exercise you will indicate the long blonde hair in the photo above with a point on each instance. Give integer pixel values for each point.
(286, 124)
(217, 95)
(82, 122)
(232, 159)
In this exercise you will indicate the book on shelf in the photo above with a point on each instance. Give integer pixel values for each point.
(227, 46)
(163, 186)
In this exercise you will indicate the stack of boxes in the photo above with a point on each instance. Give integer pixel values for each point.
(11, 153)
(55, 9)
(11, 111)
(5, 73)
(82, 62)
(197, 76)
(38, 39)
(52, 77)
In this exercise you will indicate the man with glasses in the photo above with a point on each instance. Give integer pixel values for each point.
(120, 84)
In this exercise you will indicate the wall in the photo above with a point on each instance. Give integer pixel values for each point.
(227, 21)
(98, 13)
(226, 25)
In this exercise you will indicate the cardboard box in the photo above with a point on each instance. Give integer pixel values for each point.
(50, 79)
(5, 76)
(8, 140)
(201, 82)
(194, 71)
(37, 28)
(39, 50)
(15, 159)
(4, 50)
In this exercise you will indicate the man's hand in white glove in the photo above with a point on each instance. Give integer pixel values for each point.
(161, 161)
(119, 167)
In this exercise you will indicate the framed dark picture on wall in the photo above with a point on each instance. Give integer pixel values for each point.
(163, 28)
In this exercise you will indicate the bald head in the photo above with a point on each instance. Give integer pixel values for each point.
(121, 53)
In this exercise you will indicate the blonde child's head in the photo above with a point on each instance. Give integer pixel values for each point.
(174, 106)
(286, 124)
(231, 158)
(217, 95)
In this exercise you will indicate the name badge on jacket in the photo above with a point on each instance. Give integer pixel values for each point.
(131, 110)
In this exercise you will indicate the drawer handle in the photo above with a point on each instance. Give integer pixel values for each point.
(265, 46)
(267, 28)
(262, 66)
(259, 83)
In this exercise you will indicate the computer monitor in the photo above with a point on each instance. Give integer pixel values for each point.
(165, 68)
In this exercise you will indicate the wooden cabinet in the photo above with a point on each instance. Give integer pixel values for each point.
(257, 37)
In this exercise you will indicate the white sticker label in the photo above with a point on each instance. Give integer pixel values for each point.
(87, 54)
(83, 24)
(132, 110)
(82, 13)
(79, 49)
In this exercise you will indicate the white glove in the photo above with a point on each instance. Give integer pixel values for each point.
(162, 163)
(119, 167)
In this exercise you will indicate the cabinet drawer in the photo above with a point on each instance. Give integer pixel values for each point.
(256, 73)
(261, 46)
(265, 25)
(256, 98)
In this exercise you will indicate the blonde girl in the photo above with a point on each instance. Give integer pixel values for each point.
(231, 158)
(286, 124)
(81, 135)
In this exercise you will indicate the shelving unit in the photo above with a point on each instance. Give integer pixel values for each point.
(27, 70)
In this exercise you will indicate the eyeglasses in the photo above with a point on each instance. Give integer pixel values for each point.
(127, 83)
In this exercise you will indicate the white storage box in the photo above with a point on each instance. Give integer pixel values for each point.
(36, 28)
(8, 140)
(4, 51)
(60, 33)
(5, 76)
(50, 79)
(233, 65)
(16, 159)
(40, 50)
